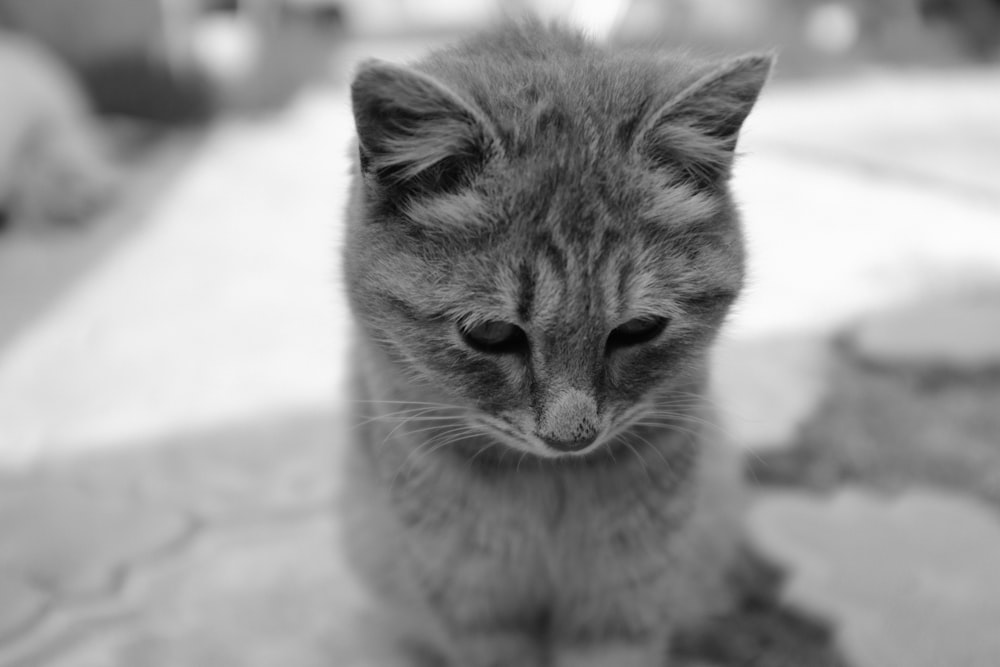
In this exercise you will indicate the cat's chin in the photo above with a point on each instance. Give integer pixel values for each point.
(526, 446)
(523, 458)
(521, 446)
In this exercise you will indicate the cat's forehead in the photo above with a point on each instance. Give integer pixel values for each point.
(565, 89)
(586, 204)
(560, 277)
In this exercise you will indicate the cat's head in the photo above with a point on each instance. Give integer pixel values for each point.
(547, 239)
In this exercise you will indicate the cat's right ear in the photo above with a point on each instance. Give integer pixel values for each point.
(694, 134)
(414, 133)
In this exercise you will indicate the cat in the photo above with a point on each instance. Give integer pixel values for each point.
(541, 247)
(53, 168)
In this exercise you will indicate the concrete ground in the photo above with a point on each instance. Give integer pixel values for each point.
(170, 418)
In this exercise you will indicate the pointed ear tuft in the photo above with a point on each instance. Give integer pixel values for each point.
(415, 133)
(695, 133)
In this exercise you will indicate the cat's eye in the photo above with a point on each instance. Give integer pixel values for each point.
(495, 337)
(636, 332)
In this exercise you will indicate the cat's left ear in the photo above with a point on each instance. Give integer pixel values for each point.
(414, 132)
(695, 132)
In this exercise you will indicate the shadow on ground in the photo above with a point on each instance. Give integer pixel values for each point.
(920, 410)
(203, 548)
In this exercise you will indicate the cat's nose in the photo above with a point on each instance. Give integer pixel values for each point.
(569, 422)
(570, 445)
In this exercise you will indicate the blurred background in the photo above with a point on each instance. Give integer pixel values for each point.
(172, 328)
(126, 73)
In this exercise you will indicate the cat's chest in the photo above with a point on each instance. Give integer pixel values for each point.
(534, 534)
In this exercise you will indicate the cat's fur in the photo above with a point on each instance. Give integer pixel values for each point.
(53, 167)
(531, 177)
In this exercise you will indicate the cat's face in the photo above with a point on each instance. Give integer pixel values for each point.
(558, 289)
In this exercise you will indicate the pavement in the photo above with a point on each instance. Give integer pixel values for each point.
(170, 420)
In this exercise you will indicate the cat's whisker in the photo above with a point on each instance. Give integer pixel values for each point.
(428, 447)
(419, 419)
(403, 412)
(655, 449)
(693, 397)
(611, 454)
(414, 414)
(520, 460)
(449, 438)
(715, 406)
(670, 420)
(391, 433)
(678, 412)
(656, 417)
(383, 401)
(503, 455)
(404, 416)
(639, 457)
(625, 421)
(415, 404)
(436, 427)
(666, 417)
(751, 470)
(671, 426)
(664, 414)
(446, 429)
(688, 406)
(431, 446)
(482, 449)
